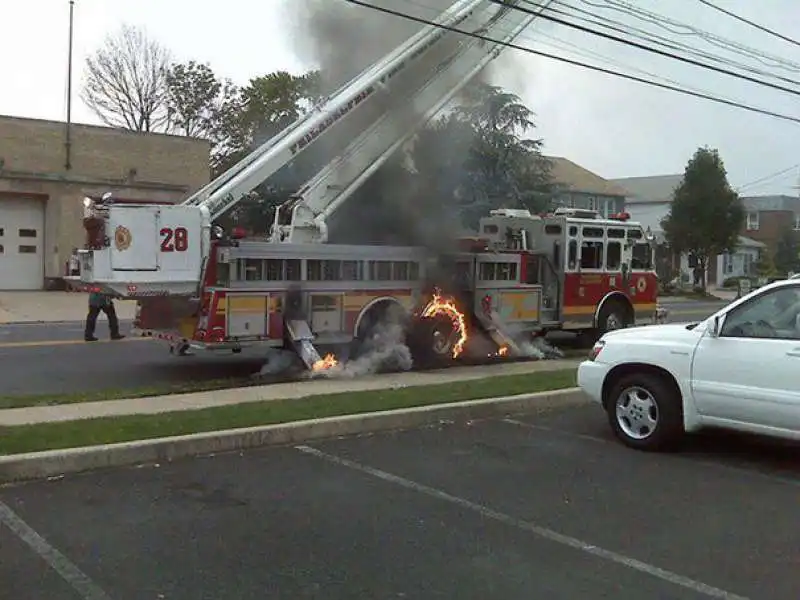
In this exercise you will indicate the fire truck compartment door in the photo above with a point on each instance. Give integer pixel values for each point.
(134, 238)
(247, 315)
(514, 306)
(326, 313)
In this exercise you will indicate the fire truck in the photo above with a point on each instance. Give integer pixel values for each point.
(523, 274)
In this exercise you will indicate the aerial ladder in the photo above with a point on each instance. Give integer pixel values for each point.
(141, 250)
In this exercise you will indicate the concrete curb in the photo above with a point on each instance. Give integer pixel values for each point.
(39, 465)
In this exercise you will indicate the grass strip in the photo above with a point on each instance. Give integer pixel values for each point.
(166, 389)
(106, 430)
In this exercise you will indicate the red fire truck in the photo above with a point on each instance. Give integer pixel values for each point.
(523, 274)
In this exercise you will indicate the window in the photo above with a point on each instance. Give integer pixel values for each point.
(2, 231)
(413, 271)
(614, 256)
(506, 272)
(27, 249)
(400, 271)
(592, 255)
(321, 303)
(492, 229)
(552, 229)
(573, 231)
(572, 258)
(752, 221)
(591, 203)
(498, 271)
(314, 270)
(796, 223)
(274, 269)
(250, 269)
(331, 270)
(27, 233)
(381, 270)
(641, 257)
(293, 269)
(351, 270)
(635, 234)
(771, 315)
(617, 234)
(592, 232)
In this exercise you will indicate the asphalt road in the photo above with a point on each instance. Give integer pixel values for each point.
(53, 358)
(543, 506)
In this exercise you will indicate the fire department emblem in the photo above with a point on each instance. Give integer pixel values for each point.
(122, 238)
(641, 284)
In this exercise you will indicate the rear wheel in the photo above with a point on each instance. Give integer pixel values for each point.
(432, 341)
(645, 412)
(614, 315)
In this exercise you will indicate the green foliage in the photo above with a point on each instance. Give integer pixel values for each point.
(787, 252)
(706, 215)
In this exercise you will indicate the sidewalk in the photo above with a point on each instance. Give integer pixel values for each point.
(49, 307)
(293, 390)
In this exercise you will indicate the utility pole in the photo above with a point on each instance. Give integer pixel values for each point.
(68, 132)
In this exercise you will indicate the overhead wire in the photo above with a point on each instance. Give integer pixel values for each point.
(690, 61)
(576, 63)
(660, 40)
(770, 177)
(716, 40)
(751, 23)
(560, 44)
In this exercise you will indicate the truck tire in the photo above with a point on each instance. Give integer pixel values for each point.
(645, 412)
(614, 315)
(431, 341)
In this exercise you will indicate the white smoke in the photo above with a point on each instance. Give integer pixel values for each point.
(539, 348)
(384, 350)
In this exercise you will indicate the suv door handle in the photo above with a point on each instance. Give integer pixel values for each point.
(794, 353)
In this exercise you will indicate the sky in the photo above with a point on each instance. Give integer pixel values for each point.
(613, 127)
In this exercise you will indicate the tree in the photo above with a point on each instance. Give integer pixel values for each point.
(126, 81)
(706, 215)
(787, 252)
(193, 98)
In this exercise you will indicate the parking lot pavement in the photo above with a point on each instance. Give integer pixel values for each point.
(540, 506)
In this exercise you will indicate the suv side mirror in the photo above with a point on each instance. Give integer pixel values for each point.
(713, 328)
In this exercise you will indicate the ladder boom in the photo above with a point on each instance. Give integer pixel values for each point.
(303, 218)
(228, 189)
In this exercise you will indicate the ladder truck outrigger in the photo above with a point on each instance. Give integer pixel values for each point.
(524, 274)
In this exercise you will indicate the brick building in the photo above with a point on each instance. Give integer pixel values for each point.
(41, 200)
(768, 217)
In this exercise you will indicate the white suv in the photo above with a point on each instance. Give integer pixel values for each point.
(738, 369)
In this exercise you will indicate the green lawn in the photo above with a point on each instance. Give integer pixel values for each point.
(48, 436)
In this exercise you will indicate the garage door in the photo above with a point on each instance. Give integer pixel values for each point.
(21, 244)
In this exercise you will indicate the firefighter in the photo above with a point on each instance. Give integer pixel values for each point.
(98, 303)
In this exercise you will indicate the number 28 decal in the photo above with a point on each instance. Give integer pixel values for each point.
(174, 240)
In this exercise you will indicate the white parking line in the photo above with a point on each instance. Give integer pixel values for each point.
(69, 572)
(688, 458)
(542, 532)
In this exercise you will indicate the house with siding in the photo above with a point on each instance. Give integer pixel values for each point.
(577, 187)
(649, 200)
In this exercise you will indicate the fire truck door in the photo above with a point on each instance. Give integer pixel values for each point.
(326, 313)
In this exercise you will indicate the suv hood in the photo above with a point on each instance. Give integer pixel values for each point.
(660, 332)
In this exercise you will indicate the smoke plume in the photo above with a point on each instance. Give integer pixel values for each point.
(394, 206)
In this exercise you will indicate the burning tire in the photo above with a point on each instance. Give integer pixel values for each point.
(433, 341)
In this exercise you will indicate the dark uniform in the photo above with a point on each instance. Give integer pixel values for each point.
(101, 303)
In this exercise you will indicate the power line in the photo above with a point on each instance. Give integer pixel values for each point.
(576, 63)
(769, 177)
(661, 40)
(691, 61)
(580, 51)
(751, 23)
(661, 21)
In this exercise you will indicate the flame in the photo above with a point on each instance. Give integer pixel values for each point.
(503, 351)
(325, 363)
(447, 307)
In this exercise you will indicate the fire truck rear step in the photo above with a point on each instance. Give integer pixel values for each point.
(302, 339)
(493, 326)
